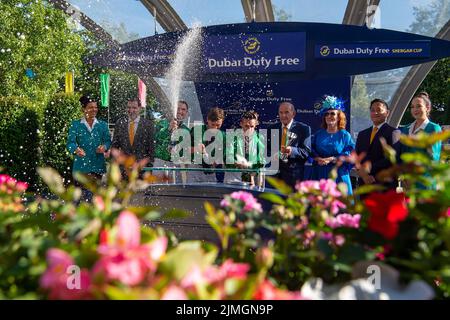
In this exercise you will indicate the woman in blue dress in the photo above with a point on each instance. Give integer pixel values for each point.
(331, 142)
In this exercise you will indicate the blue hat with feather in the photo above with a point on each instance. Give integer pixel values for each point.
(331, 103)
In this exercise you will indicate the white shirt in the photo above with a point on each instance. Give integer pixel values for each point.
(378, 126)
(136, 123)
(87, 125)
(288, 126)
(422, 127)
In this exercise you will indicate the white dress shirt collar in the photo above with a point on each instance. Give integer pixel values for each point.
(87, 125)
(288, 126)
(422, 127)
(378, 126)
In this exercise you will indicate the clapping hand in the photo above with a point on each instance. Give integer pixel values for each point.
(101, 149)
(80, 152)
(286, 150)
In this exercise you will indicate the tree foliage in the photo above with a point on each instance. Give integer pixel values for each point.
(429, 19)
(37, 47)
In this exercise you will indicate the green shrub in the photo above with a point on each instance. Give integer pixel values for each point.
(19, 139)
(58, 114)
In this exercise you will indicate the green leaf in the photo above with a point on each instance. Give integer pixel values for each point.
(388, 151)
(424, 140)
(176, 214)
(142, 211)
(272, 198)
(209, 208)
(180, 260)
(52, 179)
(280, 185)
(416, 157)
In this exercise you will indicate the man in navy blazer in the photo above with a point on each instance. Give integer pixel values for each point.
(134, 134)
(295, 147)
(368, 141)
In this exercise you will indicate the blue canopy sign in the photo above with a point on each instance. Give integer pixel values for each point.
(244, 53)
(368, 50)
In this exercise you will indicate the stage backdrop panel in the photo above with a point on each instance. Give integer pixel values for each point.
(305, 95)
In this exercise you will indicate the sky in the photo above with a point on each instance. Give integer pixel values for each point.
(394, 14)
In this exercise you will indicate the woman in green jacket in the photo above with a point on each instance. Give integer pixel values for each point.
(88, 139)
(420, 110)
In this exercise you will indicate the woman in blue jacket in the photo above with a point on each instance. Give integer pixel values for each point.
(88, 139)
(420, 110)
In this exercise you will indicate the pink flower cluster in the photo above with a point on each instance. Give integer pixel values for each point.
(214, 274)
(327, 186)
(59, 280)
(250, 202)
(9, 185)
(267, 291)
(326, 198)
(10, 194)
(337, 239)
(123, 257)
(344, 220)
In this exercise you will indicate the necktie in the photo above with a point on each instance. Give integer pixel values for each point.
(246, 146)
(374, 132)
(283, 136)
(131, 132)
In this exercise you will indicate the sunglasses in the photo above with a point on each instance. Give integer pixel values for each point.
(330, 114)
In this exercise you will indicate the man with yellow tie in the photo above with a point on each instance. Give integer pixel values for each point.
(368, 142)
(133, 134)
(294, 147)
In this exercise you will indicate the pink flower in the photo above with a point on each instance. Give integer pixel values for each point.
(129, 230)
(344, 220)
(59, 280)
(21, 186)
(5, 179)
(307, 186)
(99, 203)
(250, 203)
(194, 277)
(309, 236)
(174, 292)
(326, 236)
(329, 187)
(339, 240)
(348, 220)
(123, 257)
(448, 212)
(157, 248)
(215, 274)
(336, 205)
(267, 291)
(228, 269)
(224, 203)
(130, 269)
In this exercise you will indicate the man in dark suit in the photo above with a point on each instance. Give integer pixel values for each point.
(133, 134)
(295, 145)
(368, 141)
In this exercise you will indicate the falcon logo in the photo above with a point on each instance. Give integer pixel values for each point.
(252, 45)
(324, 51)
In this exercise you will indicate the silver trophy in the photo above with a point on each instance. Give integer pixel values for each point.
(290, 136)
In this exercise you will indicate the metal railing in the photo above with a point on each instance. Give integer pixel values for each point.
(260, 175)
